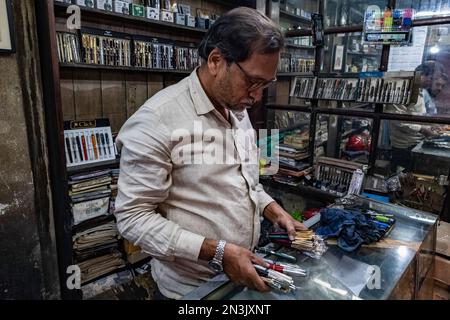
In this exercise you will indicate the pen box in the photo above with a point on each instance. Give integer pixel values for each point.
(180, 18)
(200, 22)
(104, 5)
(166, 15)
(121, 7)
(137, 10)
(190, 21)
(152, 13)
(85, 3)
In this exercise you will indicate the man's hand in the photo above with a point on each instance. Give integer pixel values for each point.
(278, 216)
(238, 265)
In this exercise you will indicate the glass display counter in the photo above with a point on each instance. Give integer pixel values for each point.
(399, 266)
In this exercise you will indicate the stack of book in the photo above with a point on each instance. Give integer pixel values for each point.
(293, 154)
(99, 266)
(95, 239)
(90, 194)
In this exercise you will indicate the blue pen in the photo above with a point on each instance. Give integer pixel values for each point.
(382, 225)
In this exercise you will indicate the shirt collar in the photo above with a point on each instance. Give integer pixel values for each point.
(202, 104)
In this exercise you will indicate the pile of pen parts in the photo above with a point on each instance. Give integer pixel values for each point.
(306, 241)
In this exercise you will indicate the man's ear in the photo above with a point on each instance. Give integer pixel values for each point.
(216, 61)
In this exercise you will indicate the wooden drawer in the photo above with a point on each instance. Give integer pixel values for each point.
(442, 270)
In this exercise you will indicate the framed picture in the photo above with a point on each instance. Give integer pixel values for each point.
(338, 58)
(6, 27)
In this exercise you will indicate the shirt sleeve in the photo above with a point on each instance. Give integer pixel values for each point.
(263, 198)
(144, 182)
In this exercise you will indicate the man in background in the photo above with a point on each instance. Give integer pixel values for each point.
(405, 136)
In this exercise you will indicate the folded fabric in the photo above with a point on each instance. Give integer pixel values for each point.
(351, 228)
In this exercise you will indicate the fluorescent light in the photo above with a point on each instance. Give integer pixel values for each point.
(434, 49)
(431, 13)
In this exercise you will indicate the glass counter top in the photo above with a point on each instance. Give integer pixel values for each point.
(371, 272)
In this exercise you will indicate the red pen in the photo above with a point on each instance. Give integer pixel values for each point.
(83, 141)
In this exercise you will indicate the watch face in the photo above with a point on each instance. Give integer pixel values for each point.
(215, 266)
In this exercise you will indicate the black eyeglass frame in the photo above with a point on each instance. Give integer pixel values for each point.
(254, 85)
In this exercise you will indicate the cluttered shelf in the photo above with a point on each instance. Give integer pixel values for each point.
(302, 190)
(60, 9)
(93, 166)
(122, 68)
(295, 17)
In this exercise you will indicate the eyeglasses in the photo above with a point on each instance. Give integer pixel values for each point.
(252, 83)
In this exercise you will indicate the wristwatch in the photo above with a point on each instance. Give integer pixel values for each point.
(216, 263)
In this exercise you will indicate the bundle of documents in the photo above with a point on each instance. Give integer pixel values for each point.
(292, 155)
(95, 241)
(90, 195)
(96, 267)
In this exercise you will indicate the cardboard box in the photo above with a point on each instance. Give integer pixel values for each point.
(85, 3)
(190, 21)
(121, 7)
(180, 18)
(137, 10)
(209, 23)
(106, 5)
(153, 13)
(166, 15)
(200, 22)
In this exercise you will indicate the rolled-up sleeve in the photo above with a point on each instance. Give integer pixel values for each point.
(144, 182)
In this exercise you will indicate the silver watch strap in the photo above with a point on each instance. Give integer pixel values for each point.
(220, 250)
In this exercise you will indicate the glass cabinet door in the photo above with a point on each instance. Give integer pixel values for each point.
(347, 12)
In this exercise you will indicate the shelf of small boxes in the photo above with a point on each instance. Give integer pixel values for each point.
(103, 49)
(138, 13)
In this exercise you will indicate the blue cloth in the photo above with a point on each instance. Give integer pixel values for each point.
(351, 228)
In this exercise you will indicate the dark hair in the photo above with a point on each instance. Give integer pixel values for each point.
(433, 69)
(241, 32)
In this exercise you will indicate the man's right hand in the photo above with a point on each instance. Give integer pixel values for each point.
(238, 265)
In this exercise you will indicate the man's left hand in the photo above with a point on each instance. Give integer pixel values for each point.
(278, 216)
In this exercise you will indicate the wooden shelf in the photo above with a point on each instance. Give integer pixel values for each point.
(293, 74)
(60, 9)
(119, 68)
(295, 17)
(93, 166)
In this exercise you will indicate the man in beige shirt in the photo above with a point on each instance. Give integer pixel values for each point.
(189, 192)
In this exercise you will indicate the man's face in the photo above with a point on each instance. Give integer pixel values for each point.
(436, 86)
(240, 85)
